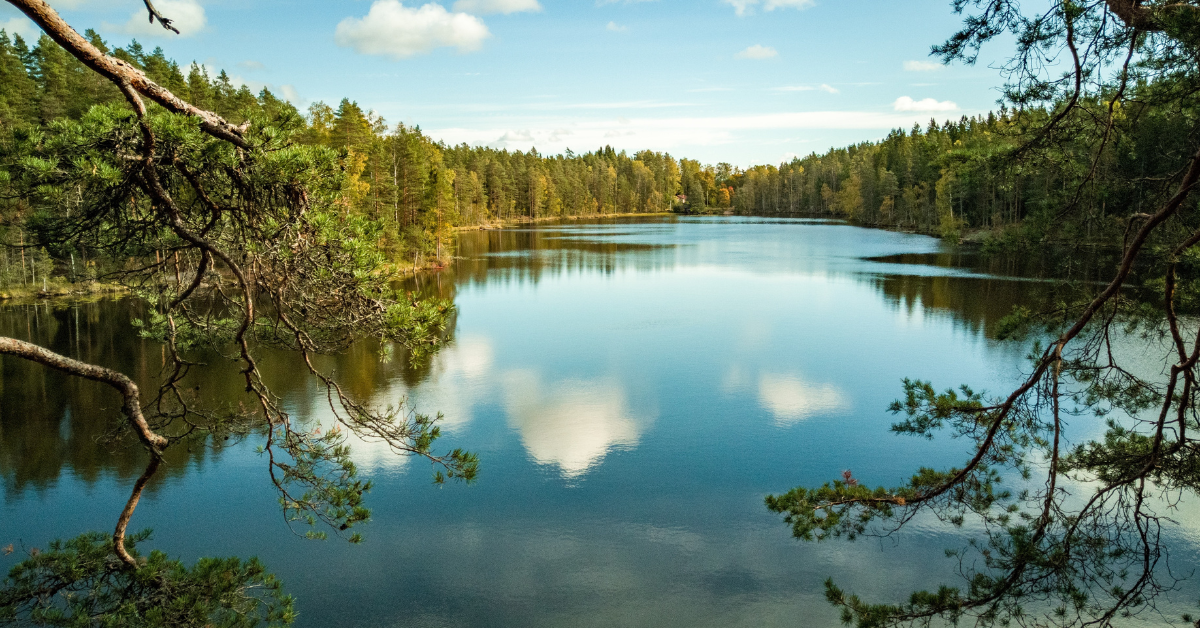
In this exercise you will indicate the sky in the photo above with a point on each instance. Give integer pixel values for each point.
(741, 81)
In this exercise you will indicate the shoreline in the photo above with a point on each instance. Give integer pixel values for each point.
(526, 220)
(90, 289)
(60, 292)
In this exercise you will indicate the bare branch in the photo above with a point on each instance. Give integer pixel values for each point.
(119, 381)
(127, 512)
(155, 15)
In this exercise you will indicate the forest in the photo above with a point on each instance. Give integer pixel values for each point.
(947, 179)
(416, 190)
(943, 179)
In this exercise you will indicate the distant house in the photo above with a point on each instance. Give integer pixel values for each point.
(682, 198)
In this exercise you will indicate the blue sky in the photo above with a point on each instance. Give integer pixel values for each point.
(743, 81)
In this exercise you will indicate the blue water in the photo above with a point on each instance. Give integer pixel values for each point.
(633, 389)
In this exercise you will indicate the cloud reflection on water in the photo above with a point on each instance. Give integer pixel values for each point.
(460, 378)
(573, 423)
(792, 400)
(570, 424)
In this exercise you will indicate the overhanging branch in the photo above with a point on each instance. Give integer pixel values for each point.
(120, 72)
(119, 381)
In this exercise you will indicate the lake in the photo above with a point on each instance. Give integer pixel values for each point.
(634, 388)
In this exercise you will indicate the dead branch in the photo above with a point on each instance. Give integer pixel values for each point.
(155, 15)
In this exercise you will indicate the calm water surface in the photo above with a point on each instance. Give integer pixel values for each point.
(633, 389)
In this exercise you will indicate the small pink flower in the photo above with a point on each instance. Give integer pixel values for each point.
(850, 481)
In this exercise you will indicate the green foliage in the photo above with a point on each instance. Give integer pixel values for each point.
(241, 249)
(270, 241)
(959, 175)
(834, 510)
(321, 464)
(81, 583)
(424, 322)
(928, 410)
(1123, 453)
(411, 190)
(1016, 325)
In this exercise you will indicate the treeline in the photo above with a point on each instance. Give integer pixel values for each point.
(417, 189)
(941, 178)
(985, 172)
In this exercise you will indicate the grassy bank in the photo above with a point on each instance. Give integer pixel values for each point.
(59, 289)
(526, 220)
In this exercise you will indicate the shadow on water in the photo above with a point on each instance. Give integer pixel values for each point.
(51, 423)
(976, 304)
(527, 255)
(1052, 264)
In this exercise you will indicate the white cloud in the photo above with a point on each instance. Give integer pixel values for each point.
(665, 133)
(461, 377)
(922, 66)
(186, 15)
(516, 136)
(522, 138)
(394, 30)
(23, 27)
(484, 7)
(757, 52)
(616, 28)
(252, 65)
(741, 6)
(746, 7)
(904, 103)
(290, 94)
